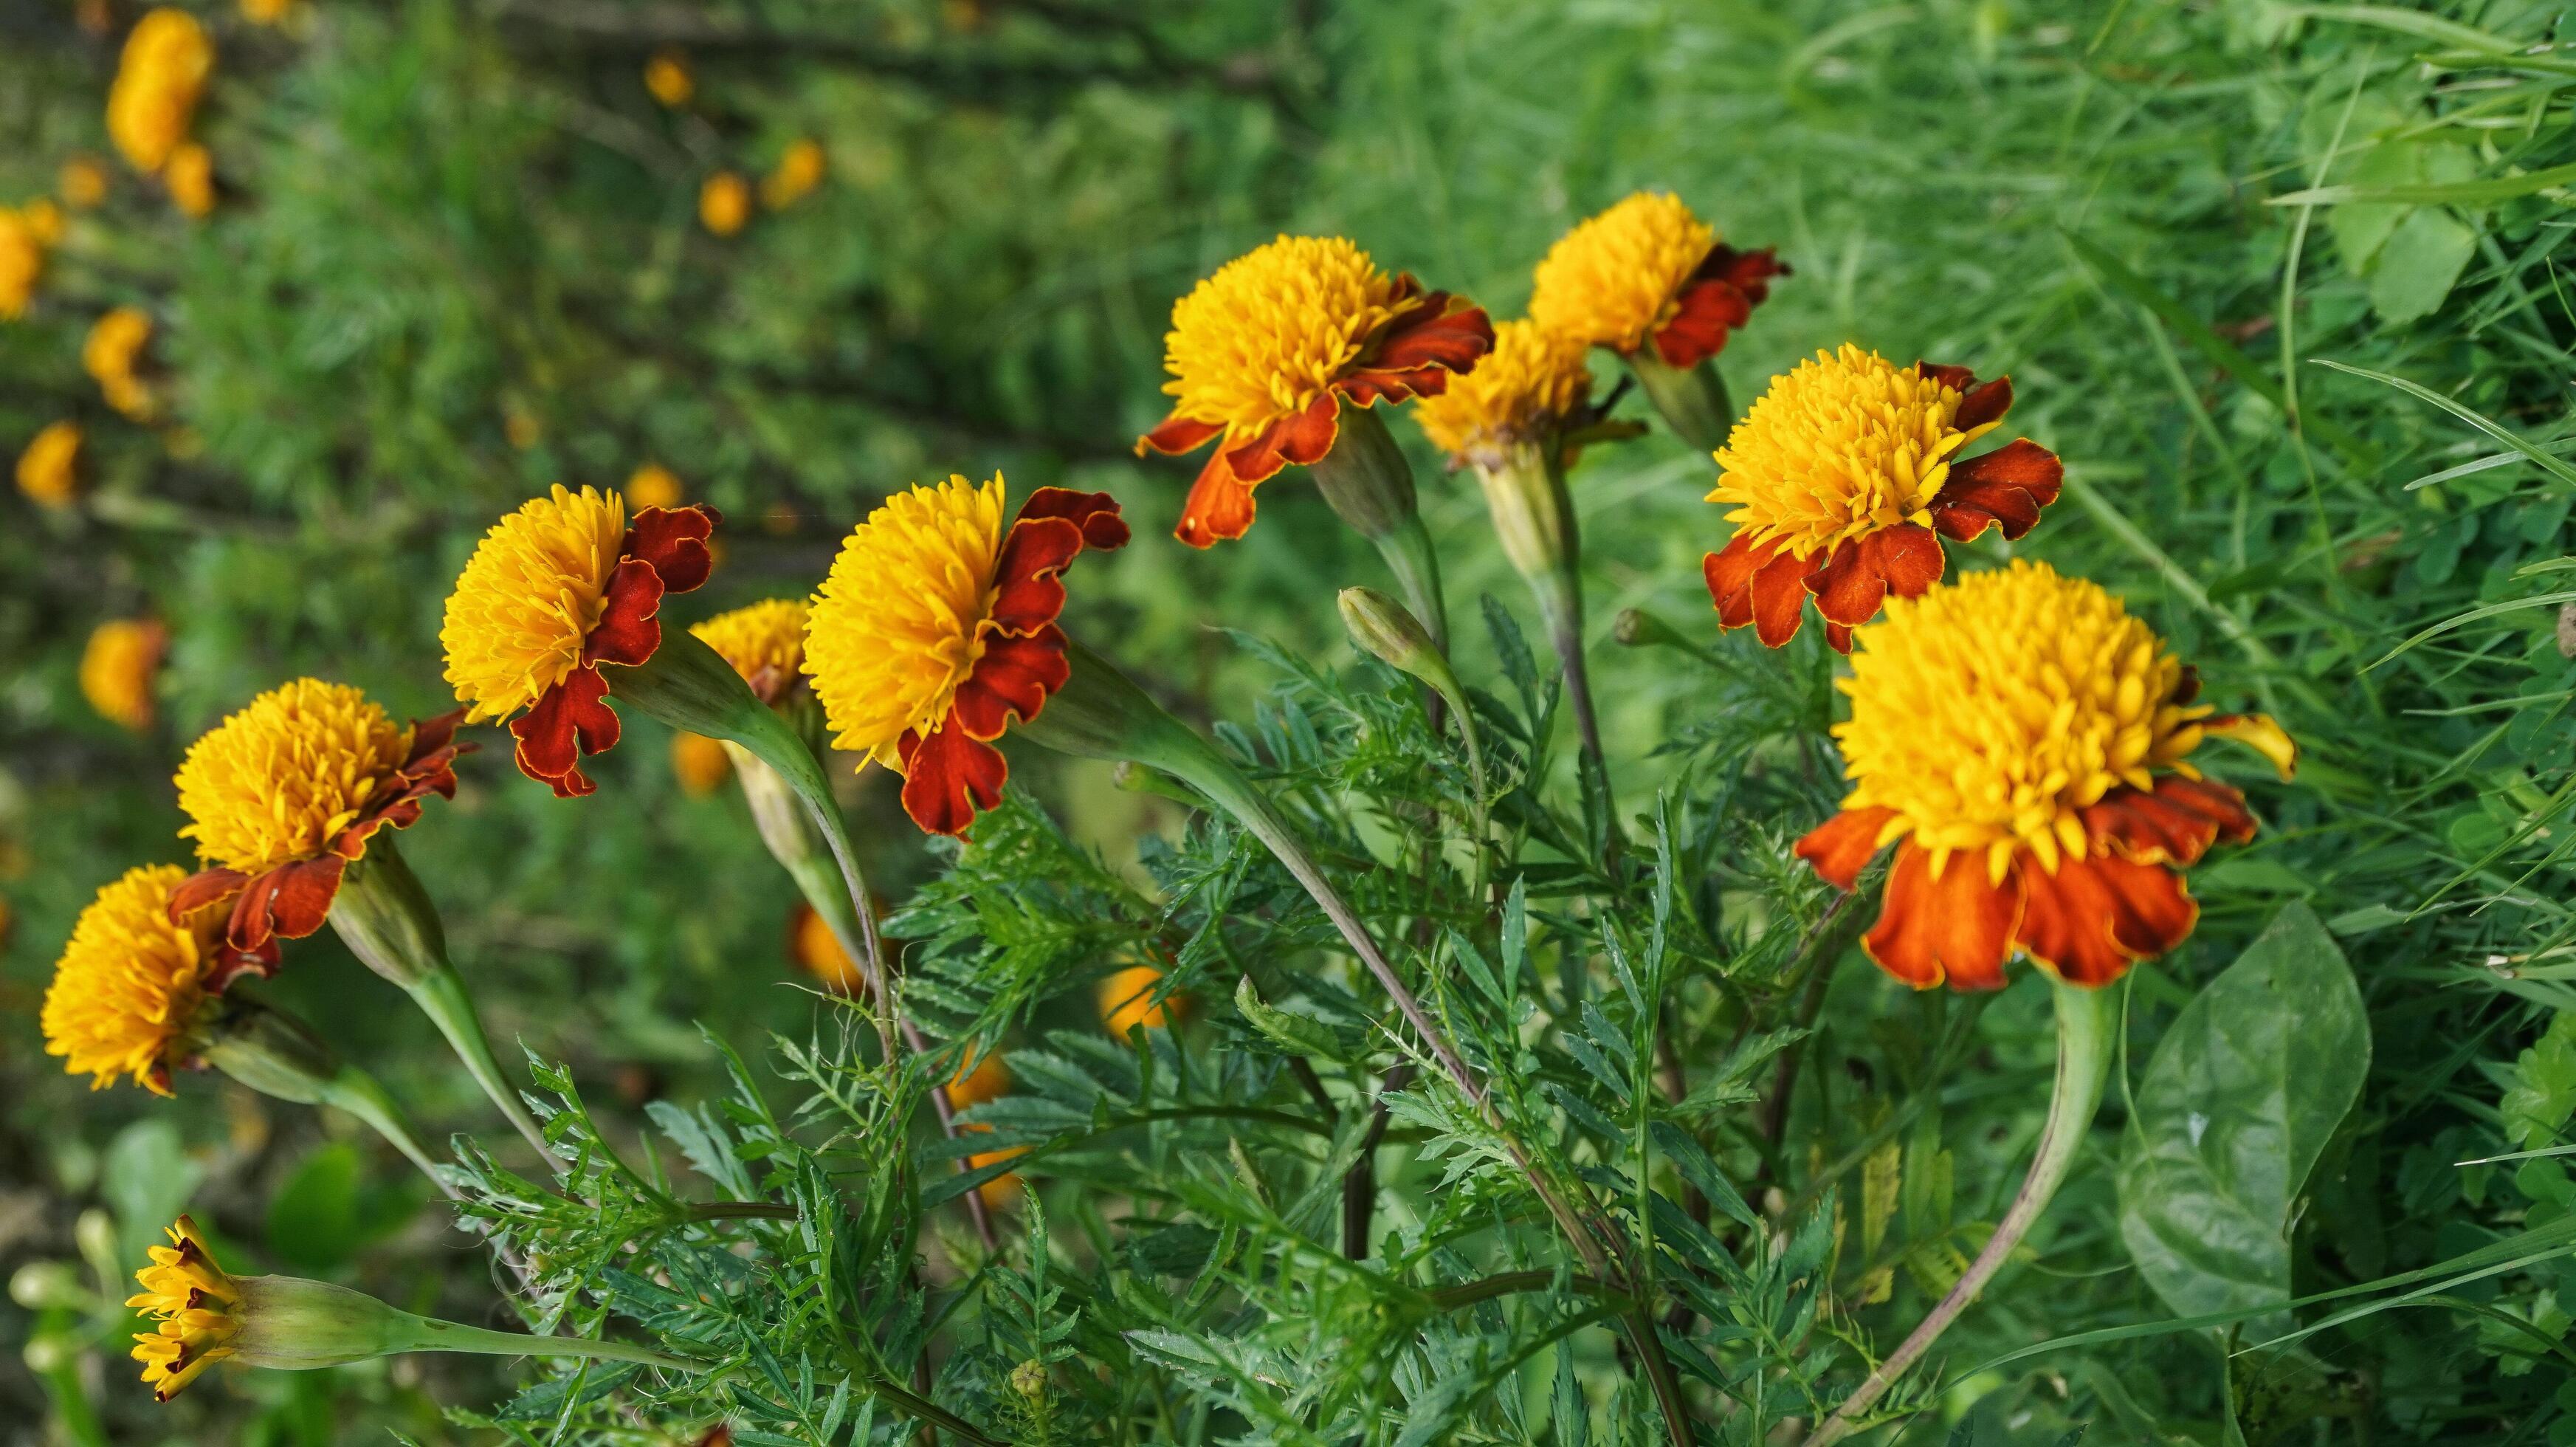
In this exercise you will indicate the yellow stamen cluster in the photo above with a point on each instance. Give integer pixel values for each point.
(196, 1311)
(49, 470)
(799, 171)
(25, 233)
(129, 990)
(113, 356)
(118, 667)
(1847, 444)
(158, 82)
(275, 782)
(769, 634)
(1614, 280)
(903, 616)
(1530, 381)
(1264, 337)
(1987, 712)
(724, 203)
(528, 598)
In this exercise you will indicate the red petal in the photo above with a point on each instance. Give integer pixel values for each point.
(628, 630)
(2176, 824)
(291, 900)
(673, 542)
(1028, 580)
(2004, 488)
(570, 719)
(1779, 595)
(1259, 460)
(1848, 588)
(203, 888)
(1011, 682)
(949, 776)
(1220, 505)
(1176, 436)
(1908, 556)
(1749, 272)
(1730, 581)
(1709, 311)
(231, 962)
(1956, 928)
(1957, 379)
(1838, 637)
(429, 735)
(1096, 513)
(1445, 331)
(1983, 404)
(2095, 917)
(1842, 846)
(1305, 437)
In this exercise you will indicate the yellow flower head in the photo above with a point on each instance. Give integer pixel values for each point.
(904, 615)
(764, 642)
(158, 82)
(1127, 1001)
(529, 598)
(1531, 380)
(1847, 444)
(817, 951)
(989, 1080)
(653, 485)
(118, 667)
(191, 179)
(129, 992)
(49, 470)
(724, 203)
(83, 183)
(1268, 333)
(196, 1310)
(667, 76)
(22, 261)
(799, 171)
(113, 353)
(278, 781)
(1614, 280)
(699, 763)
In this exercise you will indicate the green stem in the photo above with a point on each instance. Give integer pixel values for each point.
(2086, 1028)
(440, 994)
(363, 1096)
(1692, 400)
(1406, 547)
(427, 1334)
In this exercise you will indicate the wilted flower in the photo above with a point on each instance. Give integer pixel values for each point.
(667, 76)
(1127, 1000)
(133, 989)
(282, 796)
(1264, 353)
(799, 171)
(2024, 743)
(49, 470)
(83, 183)
(1845, 476)
(936, 631)
(553, 591)
(724, 203)
(118, 668)
(653, 485)
(190, 175)
(113, 356)
(159, 80)
(1647, 271)
(765, 643)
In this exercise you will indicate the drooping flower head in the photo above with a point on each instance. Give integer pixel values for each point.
(281, 796)
(49, 470)
(1844, 478)
(24, 238)
(553, 591)
(159, 80)
(1648, 271)
(724, 203)
(196, 1310)
(113, 356)
(132, 989)
(764, 642)
(118, 668)
(1264, 353)
(2026, 745)
(1523, 390)
(936, 631)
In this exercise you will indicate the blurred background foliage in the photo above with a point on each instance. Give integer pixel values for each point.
(457, 255)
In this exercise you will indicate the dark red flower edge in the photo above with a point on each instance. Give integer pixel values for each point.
(1718, 297)
(1767, 587)
(955, 773)
(1411, 356)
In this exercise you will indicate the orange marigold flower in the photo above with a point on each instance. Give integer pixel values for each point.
(83, 183)
(937, 630)
(765, 643)
(699, 763)
(197, 1312)
(22, 260)
(1845, 476)
(191, 179)
(667, 76)
(817, 951)
(113, 356)
(1127, 1001)
(799, 171)
(132, 989)
(724, 203)
(159, 80)
(1264, 354)
(2025, 744)
(1647, 270)
(118, 668)
(989, 1080)
(1531, 382)
(653, 485)
(553, 591)
(49, 470)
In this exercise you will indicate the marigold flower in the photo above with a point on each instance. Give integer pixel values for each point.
(266, 12)
(49, 470)
(724, 203)
(699, 763)
(989, 1080)
(113, 355)
(190, 175)
(22, 261)
(2025, 744)
(653, 485)
(159, 80)
(131, 991)
(1127, 1001)
(283, 795)
(83, 183)
(118, 668)
(667, 76)
(196, 1311)
(799, 171)
(1533, 380)
(936, 631)
(1843, 473)
(553, 591)
(1647, 270)
(1264, 353)
(765, 643)
(817, 951)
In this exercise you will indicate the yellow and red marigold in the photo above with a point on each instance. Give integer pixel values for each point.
(283, 795)
(936, 631)
(1845, 476)
(553, 591)
(1648, 271)
(131, 990)
(196, 1311)
(1264, 353)
(1530, 384)
(2024, 743)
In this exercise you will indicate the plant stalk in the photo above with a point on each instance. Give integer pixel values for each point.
(1691, 400)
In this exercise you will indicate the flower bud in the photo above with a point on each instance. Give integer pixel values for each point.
(1384, 630)
(1366, 477)
(1533, 516)
(1029, 1379)
(41, 1284)
(386, 918)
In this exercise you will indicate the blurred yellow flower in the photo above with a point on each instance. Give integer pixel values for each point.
(799, 171)
(1648, 271)
(653, 485)
(118, 668)
(83, 183)
(22, 260)
(1127, 1001)
(699, 763)
(159, 81)
(1531, 380)
(113, 355)
(266, 12)
(130, 990)
(197, 1311)
(190, 175)
(724, 203)
(49, 470)
(765, 643)
(667, 76)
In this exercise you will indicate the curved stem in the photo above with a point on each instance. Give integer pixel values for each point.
(363, 1096)
(1406, 547)
(2086, 1025)
(1692, 400)
(441, 995)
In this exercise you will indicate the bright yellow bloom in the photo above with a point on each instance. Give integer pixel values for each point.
(653, 485)
(159, 81)
(278, 781)
(529, 598)
(83, 183)
(197, 1312)
(22, 261)
(1614, 280)
(191, 179)
(1847, 444)
(724, 203)
(699, 763)
(905, 614)
(1127, 1001)
(1531, 380)
(764, 642)
(799, 171)
(130, 989)
(1273, 328)
(49, 470)
(118, 669)
(113, 354)
(667, 76)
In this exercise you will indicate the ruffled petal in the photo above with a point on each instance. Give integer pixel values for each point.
(1749, 272)
(569, 720)
(1848, 589)
(1095, 513)
(1730, 581)
(1305, 437)
(1956, 928)
(673, 542)
(1260, 459)
(2004, 488)
(948, 777)
(291, 901)
(2094, 918)
(1842, 846)
(1414, 355)
(2175, 825)
(1908, 556)
(629, 630)
(1011, 682)
(1029, 578)
(202, 889)
(1176, 436)
(1779, 596)
(1220, 505)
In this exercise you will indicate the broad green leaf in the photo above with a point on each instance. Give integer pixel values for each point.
(2241, 1096)
(2424, 256)
(2543, 1095)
